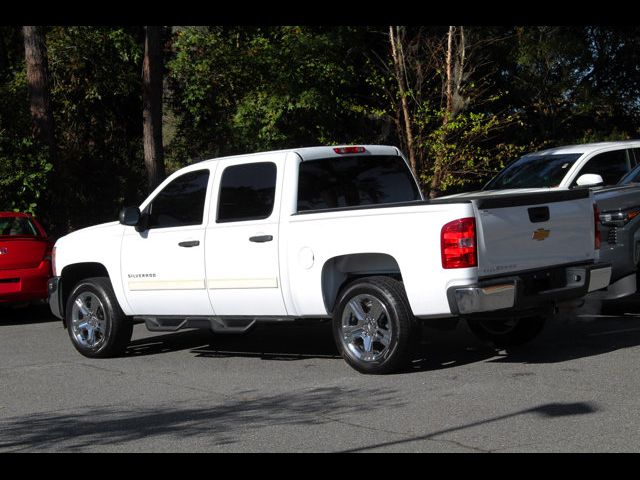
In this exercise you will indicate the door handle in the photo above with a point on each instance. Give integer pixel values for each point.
(261, 238)
(190, 243)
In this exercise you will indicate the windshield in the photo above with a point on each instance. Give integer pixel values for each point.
(534, 171)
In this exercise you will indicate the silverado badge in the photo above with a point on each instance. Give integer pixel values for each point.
(540, 234)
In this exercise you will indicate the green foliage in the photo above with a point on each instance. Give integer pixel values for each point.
(571, 83)
(463, 151)
(24, 164)
(237, 89)
(96, 94)
(24, 175)
(613, 135)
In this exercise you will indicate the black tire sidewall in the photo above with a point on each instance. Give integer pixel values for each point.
(396, 354)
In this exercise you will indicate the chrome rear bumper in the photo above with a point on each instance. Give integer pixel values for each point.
(484, 299)
(529, 290)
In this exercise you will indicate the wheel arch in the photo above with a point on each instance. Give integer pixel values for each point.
(339, 271)
(72, 274)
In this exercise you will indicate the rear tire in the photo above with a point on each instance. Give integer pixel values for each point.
(509, 332)
(373, 326)
(96, 324)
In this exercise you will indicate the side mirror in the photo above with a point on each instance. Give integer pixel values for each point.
(130, 216)
(589, 180)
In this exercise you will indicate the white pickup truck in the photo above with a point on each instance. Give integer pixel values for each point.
(341, 232)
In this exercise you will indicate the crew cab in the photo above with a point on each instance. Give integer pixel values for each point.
(605, 168)
(323, 232)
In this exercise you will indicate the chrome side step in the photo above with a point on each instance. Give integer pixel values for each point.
(216, 324)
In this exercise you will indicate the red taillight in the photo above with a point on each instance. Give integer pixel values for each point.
(342, 150)
(596, 222)
(458, 243)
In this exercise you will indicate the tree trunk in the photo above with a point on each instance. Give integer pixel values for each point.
(4, 58)
(449, 77)
(400, 73)
(43, 127)
(448, 112)
(35, 51)
(152, 67)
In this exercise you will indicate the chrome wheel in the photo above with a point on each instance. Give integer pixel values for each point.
(366, 329)
(88, 320)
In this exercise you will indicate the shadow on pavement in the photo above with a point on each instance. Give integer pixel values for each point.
(269, 342)
(577, 338)
(578, 333)
(25, 314)
(549, 410)
(170, 342)
(275, 342)
(215, 424)
(564, 338)
(622, 306)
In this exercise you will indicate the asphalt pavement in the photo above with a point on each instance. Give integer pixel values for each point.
(283, 388)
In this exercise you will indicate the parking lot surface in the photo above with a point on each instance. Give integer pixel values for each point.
(283, 388)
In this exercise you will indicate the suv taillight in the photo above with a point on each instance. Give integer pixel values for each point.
(458, 243)
(619, 218)
(596, 221)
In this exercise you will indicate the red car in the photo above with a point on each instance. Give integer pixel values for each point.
(25, 258)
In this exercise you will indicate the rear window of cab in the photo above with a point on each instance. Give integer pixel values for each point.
(354, 181)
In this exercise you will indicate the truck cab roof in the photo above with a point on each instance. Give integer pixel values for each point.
(316, 153)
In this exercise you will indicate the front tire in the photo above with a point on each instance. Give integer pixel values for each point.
(96, 324)
(509, 332)
(373, 326)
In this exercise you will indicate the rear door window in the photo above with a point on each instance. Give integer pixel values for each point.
(247, 192)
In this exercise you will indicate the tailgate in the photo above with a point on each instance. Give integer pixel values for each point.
(527, 231)
(21, 252)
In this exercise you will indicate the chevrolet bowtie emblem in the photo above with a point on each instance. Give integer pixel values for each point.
(540, 234)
